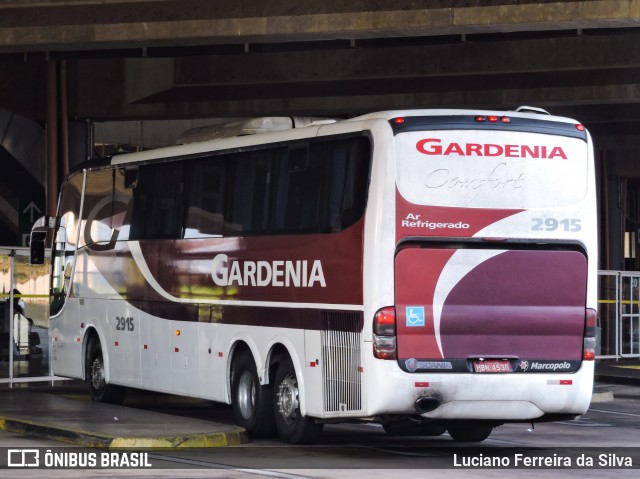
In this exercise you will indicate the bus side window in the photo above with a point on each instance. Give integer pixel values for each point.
(247, 209)
(346, 182)
(60, 271)
(158, 202)
(320, 187)
(303, 191)
(205, 197)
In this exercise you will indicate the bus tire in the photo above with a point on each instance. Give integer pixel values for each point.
(292, 426)
(251, 402)
(99, 389)
(466, 432)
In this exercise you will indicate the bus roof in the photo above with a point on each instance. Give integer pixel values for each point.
(265, 130)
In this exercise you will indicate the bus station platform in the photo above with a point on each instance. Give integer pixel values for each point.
(80, 422)
(626, 371)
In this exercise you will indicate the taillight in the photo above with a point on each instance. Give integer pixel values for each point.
(384, 333)
(590, 332)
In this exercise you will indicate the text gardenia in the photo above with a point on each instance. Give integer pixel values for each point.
(278, 273)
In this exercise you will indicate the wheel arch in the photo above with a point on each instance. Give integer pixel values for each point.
(279, 350)
(277, 354)
(238, 346)
(92, 336)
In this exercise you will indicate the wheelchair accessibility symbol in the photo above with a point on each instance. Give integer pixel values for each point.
(415, 315)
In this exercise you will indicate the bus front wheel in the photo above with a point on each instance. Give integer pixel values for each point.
(251, 402)
(292, 426)
(100, 390)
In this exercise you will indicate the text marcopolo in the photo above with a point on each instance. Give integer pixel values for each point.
(278, 273)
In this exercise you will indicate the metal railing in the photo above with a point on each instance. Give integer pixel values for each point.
(24, 323)
(618, 314)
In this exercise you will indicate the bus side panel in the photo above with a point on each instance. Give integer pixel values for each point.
(212, 360)
(184, 358)
(314, 366)
(123, 328)
(155, 358)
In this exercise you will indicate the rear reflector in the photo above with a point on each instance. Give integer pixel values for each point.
(384, 347)
(559, 382)
(590, 333)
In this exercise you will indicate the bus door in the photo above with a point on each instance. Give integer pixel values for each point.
(66, 336)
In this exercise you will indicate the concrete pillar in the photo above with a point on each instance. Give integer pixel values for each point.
(52, 138)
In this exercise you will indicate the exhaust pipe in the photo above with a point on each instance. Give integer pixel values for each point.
(426, 404)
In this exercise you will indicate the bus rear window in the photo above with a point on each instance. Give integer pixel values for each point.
(491, 169)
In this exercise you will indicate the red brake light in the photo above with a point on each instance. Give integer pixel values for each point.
(399, 120)
(492, 119)
(505, 119)
(384, 322)
(384, 330)
(579, 127)
(480, 118)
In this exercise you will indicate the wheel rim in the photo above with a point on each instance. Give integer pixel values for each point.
(97, 374)
(288, 399)
(246, 395)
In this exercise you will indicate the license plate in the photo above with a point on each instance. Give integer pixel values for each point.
(492, 366)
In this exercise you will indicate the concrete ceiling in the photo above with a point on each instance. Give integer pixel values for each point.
(200, 59)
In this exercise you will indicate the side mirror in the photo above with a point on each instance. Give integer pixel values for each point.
(37, 246)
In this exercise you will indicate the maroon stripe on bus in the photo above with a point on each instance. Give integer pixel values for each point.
(292, 318)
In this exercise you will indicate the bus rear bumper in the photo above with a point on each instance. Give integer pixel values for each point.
(494, 410)
(500, 397)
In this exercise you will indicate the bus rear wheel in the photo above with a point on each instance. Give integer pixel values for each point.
(469, 432)
(292, 426)
(98, 387)
(252, 403)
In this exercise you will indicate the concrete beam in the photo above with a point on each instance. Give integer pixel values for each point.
(370, 101)
(579, 53)
(406, 69)
(89, 25)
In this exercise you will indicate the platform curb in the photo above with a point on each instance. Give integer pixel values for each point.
(235, 436)
(602, 397)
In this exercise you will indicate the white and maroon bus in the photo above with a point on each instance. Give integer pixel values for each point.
(428, 269)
